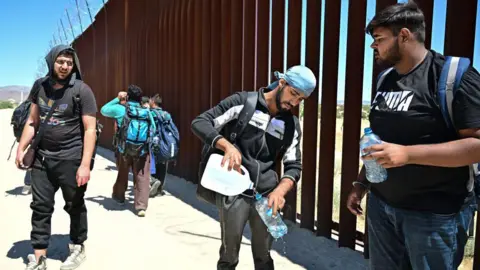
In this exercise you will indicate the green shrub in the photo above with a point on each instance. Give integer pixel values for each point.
(6, 105)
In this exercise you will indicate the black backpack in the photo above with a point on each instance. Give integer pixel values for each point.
(19, 118)
(244, 117)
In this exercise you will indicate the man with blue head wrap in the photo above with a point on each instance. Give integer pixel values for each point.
(298, 81)
(254, 129)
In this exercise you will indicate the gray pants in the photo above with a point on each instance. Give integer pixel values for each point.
(234, 214)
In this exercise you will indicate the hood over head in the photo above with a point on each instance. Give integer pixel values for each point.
(52, 56)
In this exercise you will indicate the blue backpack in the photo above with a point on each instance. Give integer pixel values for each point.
(133, 134)
(165, 142)
(450, 78)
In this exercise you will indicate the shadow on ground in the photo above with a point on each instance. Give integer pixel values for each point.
(15, 192)
(300, 246)
(57, 250)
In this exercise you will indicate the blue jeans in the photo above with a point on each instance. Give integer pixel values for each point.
(402, 239)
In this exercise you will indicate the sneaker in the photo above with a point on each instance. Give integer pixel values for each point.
(76, 257)
(34, 265)
(141, 213)
(154, 188)
(27, 189)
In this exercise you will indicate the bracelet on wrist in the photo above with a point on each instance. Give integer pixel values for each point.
(365, 185)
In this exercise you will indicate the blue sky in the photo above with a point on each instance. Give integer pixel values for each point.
(27, 27)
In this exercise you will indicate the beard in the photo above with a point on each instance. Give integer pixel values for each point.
(56, 79)
(278, 101)
(392, 56)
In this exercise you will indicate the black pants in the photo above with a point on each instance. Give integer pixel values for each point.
(234, 214)
(48, 175)
(160, 173)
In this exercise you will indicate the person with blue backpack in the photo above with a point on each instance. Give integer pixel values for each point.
(427, 113)
(164, 146)
(135, 124)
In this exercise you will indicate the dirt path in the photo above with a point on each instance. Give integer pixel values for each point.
(179, 232)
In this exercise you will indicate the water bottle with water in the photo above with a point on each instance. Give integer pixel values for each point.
(275, 225)
(375, 172)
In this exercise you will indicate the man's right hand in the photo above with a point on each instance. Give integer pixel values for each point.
(355, 199)
(122, 95)
(234, 158)
(19, 159)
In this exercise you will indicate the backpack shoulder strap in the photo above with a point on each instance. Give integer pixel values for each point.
(381, 77)
(245, 115)
(450, 78)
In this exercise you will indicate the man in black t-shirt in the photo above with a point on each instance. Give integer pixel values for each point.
(419, 216)
(64, 154)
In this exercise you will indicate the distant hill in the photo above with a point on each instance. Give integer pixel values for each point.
(14, 92)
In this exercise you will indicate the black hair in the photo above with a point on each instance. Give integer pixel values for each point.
(66, 52)
(157, 99)
(145, 100)
(134, 93)
(398, 16)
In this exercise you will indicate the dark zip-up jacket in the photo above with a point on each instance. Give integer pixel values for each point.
(260, 142)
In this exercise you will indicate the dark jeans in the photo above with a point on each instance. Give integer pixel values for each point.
(160, 173)
(234, 214)
(48, 175)
(402, 239)
(27, 180)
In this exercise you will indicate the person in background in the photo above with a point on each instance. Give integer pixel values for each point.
(158, 169)
(140, 165)
(145, 102)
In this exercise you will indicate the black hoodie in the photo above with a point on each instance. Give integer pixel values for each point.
(63, 137)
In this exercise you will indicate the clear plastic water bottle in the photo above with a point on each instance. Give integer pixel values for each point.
(275, 225)
(375, 172)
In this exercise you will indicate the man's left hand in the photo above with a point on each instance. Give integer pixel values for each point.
(276, 201)
(83, 175)
(388, 155)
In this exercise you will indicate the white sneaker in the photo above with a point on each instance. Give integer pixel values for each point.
(76, 257)
(141, 213)
(27, 189)
(34, 265)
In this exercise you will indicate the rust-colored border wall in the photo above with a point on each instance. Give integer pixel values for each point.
(195, 53)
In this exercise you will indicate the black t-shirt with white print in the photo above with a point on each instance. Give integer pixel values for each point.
(63, 136)
(405, 111)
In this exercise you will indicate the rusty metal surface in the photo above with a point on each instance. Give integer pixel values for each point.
(249, 49)
(460, 34)
(310, 121)
(328, 117)
(293, 58)
(236, 46)
(195, 53)
(263, 20)
(352, 117)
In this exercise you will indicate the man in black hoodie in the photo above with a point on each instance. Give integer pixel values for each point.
(64, 153)
(257, 149)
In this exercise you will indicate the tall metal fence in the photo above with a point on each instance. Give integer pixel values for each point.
(196, 52)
